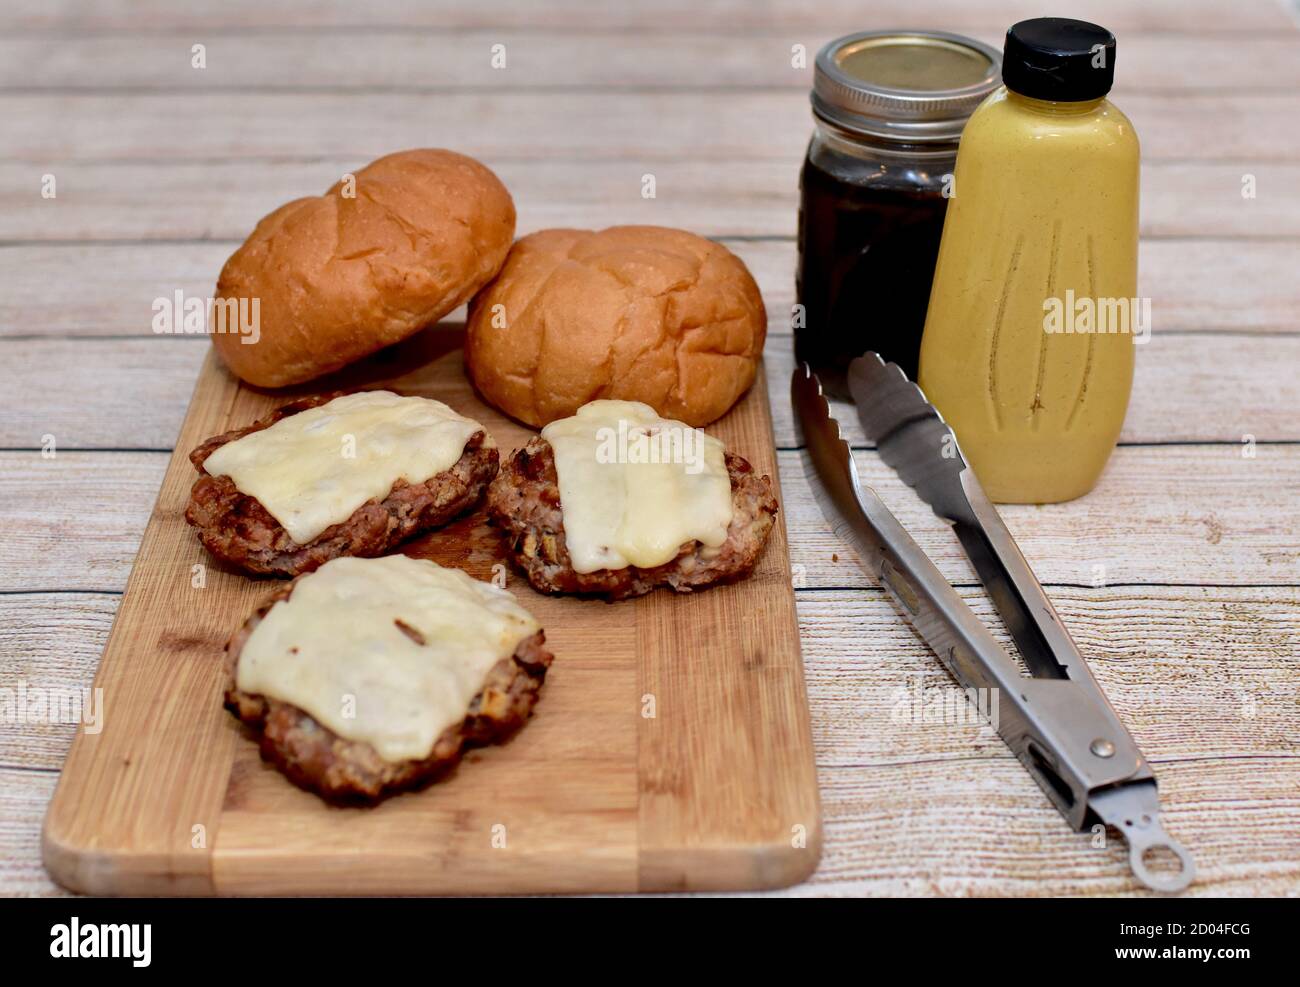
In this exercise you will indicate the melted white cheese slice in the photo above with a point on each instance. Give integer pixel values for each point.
(314, 469)
(337, 650)
(635, 487)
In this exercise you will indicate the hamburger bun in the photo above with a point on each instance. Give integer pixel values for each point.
(340, 276)
(634, 313)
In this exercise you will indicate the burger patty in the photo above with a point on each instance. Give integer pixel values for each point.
(316, 758)
(237, 529)
(524, 500)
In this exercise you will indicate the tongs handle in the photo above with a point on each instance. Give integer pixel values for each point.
(1017, 595)
(1049, 723)
(1065, 713)
(1058, 722)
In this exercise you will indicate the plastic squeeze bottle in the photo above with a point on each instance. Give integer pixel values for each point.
(1028, 343)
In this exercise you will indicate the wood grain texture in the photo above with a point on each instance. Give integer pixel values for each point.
(170, 797)
(25, 796)
(1222, 665)
(1161, 514)
(398, 59)
(1194, 672)
(46, 381)
(1156, 516)
(829, 16)
(51, 641)
(74, 522)
(925, 809)
(1253, 290)
(974, 828)
(1225, 659)
(223, 200)
(952, 827)
(1188, 387)
(648, 126)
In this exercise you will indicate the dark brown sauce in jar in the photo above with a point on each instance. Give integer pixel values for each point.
(867, 249)
(889, 108)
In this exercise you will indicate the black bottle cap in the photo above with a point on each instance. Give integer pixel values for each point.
(1059, 59)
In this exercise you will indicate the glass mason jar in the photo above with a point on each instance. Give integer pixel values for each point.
(888, 108)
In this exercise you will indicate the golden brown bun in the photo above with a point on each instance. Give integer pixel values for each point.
(340, 278)
(637, 313)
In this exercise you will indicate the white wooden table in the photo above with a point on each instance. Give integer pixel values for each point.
(1179, 575)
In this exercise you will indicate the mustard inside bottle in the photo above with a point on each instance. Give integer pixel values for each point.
(1028, 346)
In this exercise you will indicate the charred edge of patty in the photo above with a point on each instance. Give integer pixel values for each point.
(349, 771)
(524, 501)
(236, 528)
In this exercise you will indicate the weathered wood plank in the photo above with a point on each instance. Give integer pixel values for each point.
(1188, 388)
(100, 289)
(828, 17)
(141, 389)
(1190, 199)
(1205, 679)
(1253, 285)
(1202, 677)
(959, 829)
(1253, 289)
(50, 641)
(24, 795)
(74, 521)
(939, 828)
(1191, 670)
(1162, 514)
(222, 200)
(1185, 515)
(650, 127)
(399, 59)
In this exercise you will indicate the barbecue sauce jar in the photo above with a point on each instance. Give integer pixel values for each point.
(889, 107)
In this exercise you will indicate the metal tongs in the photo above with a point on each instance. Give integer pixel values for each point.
(1058, 722)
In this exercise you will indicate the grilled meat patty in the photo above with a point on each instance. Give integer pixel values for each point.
(237, 529)
(316, 758)
(524, 501)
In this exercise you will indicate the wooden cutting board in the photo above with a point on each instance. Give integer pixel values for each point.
(670, 750)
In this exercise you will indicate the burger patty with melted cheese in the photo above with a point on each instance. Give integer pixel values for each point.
(370, 676)
(627, 527)
(340, 475)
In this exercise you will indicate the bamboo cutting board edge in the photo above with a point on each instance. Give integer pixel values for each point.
(713, 790)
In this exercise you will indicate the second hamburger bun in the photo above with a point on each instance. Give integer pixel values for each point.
(635, 313)
(341, 276)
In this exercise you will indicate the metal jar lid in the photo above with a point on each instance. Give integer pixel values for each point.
(910, 86)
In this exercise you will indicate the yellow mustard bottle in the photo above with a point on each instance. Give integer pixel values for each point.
(1028, 343)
